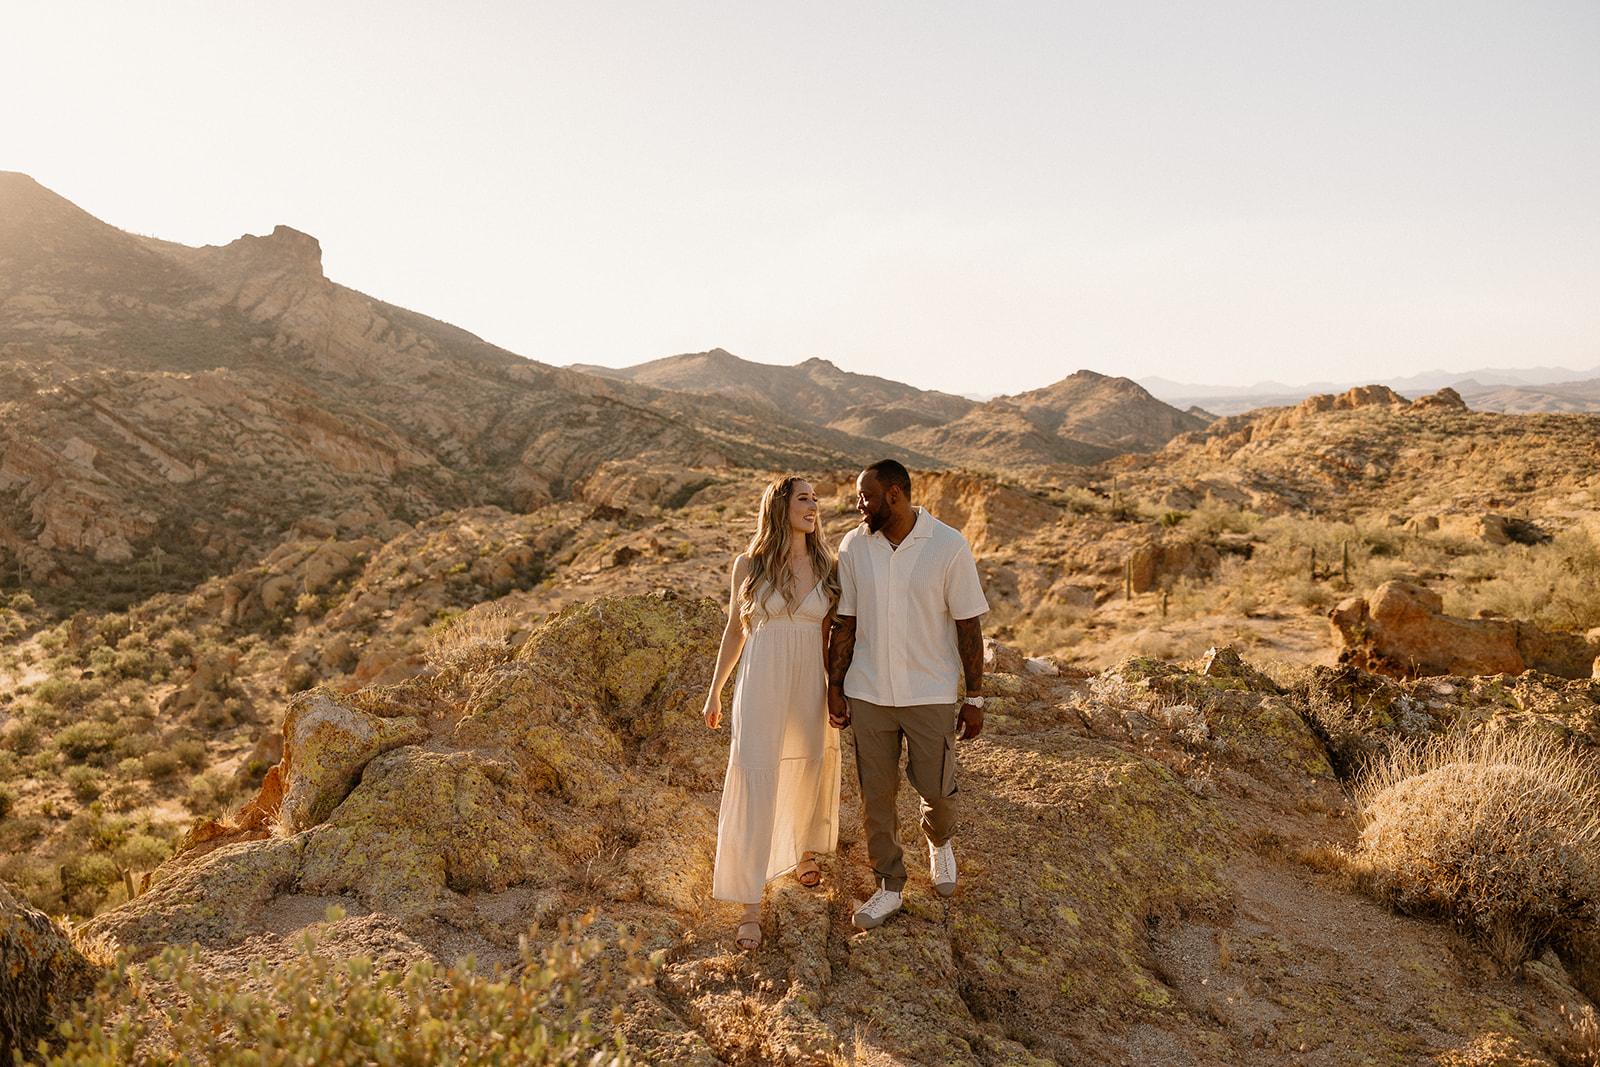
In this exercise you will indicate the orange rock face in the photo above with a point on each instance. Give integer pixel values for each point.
(1401, 630)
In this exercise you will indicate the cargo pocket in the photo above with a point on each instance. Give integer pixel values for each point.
(947, 773)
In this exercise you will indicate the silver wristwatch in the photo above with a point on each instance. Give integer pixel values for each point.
(976, 701)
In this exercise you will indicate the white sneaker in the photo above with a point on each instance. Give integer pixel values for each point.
(884, 903)
(942, 867)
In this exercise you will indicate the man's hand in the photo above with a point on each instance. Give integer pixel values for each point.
(970, 722)
(838, 708)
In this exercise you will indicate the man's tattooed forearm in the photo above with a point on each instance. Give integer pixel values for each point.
(842, 648)
(969, 643)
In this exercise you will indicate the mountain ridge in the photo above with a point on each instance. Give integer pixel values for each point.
(151, 388)
(1085, 418)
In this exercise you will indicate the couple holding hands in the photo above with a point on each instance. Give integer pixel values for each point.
(876, 640)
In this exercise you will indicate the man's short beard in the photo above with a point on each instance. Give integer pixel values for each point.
(877, 519)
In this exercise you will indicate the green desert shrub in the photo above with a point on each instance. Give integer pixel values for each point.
(1498, 832)
(1212, 517)
(191, 752)
(160, 764)
(1554, 585)
(178, 644)
(207, 792)
(86, 879)
(84, 781)
(31, 878)
(8, 799)
(22, 737)
(134, 739)
(142, 852)
(80, 740)
(317, 1010)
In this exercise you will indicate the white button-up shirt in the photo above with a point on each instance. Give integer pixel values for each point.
(906, 602)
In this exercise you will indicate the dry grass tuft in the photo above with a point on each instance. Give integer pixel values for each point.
(1500, 833)
(1580, 1045)
(472, 640)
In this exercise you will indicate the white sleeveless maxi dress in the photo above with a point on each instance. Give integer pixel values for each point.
(780, 799)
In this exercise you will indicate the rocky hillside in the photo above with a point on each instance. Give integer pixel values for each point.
(170, 412)
(1082, 420)
(1113, 412)
(1150, 863)
(1152, 853)
(1371, 450)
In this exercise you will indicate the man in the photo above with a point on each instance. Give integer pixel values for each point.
(907, 629)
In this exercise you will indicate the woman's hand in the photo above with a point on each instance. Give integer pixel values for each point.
(713, 709)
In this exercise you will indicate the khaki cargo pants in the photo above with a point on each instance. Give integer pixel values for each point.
(929, 734)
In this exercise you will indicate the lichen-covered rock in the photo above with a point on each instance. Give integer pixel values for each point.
(1226, 668)
(1065, 847)
(1270, 730)
(423, 827)
(327, 743)
(215, 899)
(628, 673)
(573, 750)
(38, 965)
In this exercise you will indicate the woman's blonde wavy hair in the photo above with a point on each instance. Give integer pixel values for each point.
(769, 554)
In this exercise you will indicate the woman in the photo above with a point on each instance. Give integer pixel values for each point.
(780, 801)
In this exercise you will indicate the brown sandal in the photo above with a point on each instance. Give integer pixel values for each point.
(807, 873)
(748, 942)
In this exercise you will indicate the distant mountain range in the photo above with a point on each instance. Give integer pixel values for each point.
(1083, 419)
(1514, 390)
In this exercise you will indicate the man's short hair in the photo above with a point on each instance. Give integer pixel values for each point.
(892, 472)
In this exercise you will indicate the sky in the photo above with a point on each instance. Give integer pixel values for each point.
(975, 197)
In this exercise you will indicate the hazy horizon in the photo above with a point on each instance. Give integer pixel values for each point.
(1483, 376)
(969, 199)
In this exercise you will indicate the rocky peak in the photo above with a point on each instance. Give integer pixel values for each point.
(285, 243)
(1446, 399)
(1359, 397)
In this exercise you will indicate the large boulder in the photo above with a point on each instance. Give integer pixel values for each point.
(327, 745)
(1400, 629)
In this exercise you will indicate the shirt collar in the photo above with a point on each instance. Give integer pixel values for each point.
(920, 529)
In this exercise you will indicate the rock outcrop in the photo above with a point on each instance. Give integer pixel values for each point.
(39, 969)
(412, 795)
(1401, 629)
